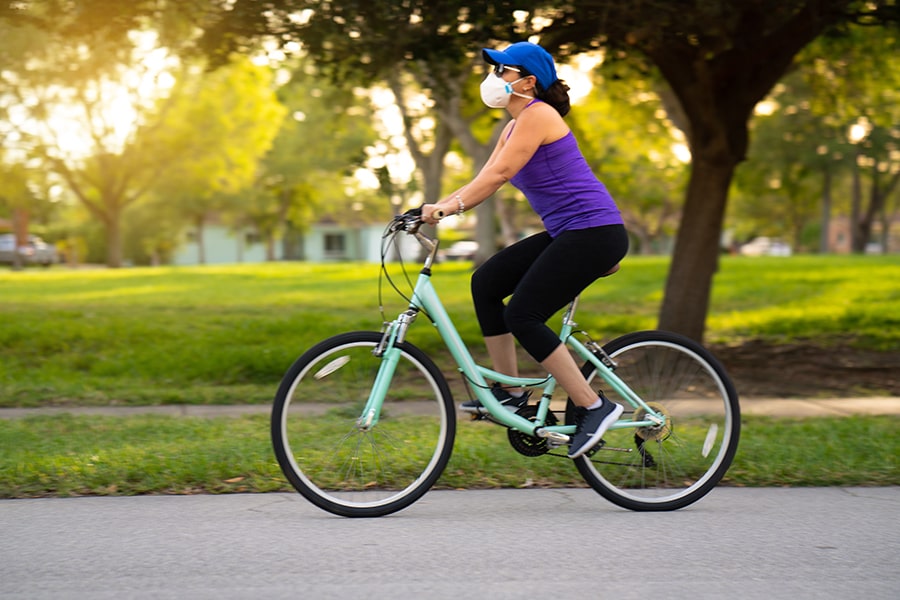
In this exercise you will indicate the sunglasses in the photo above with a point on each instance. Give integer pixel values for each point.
(500, 69)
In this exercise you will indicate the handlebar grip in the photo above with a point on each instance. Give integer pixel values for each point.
(438, 214)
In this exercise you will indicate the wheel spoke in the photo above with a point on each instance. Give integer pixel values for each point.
(675, 464)
(357, 471)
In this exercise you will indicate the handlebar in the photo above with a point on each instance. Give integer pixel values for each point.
(410, 222)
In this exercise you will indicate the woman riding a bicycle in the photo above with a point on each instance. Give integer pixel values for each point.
(585, 237)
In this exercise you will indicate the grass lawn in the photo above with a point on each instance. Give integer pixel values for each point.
(227, 334)
(79, 455)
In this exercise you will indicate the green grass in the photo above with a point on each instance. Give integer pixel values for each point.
(79, 455)
(224, 335)
(809, 297)
(217, 335)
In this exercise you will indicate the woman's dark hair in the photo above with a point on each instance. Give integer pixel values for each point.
(557, 96)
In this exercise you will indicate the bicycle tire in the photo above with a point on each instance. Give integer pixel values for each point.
(670, 467)
(341, 466)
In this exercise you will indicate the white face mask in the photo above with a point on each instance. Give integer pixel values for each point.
(496, 91)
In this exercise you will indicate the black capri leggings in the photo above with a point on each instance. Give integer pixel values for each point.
(542, 274)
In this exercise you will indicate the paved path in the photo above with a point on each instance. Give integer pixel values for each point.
(736, 543)
(799, 544)
(825, 407)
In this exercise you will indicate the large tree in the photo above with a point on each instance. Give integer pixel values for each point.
(720, 58)
(77, 74)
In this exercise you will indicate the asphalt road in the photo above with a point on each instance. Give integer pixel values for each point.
(735, 543)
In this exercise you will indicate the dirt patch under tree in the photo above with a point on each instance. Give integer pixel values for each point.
(803, 370)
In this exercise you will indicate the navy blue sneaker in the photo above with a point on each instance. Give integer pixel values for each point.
(509, 401)
(590, 425)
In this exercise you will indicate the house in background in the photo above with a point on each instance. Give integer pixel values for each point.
(323, 242)
(326, 242)
(839, 236)
(221, 245)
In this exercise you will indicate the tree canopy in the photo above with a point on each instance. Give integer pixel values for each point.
(720, 59)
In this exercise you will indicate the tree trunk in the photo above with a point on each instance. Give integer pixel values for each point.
(201, 247)
(877, 201)
(855, 204)
(113, 242)
(718, 139)
(485, 230)
(506, 217)
(887, 214)
(486, 212)
(717, 89)
(696, 255)
(645, 246)
(430, 164)
(826, 212)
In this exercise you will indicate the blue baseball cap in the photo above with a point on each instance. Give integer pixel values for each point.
(532, 57)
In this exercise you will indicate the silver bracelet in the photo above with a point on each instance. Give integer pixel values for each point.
(462, 207)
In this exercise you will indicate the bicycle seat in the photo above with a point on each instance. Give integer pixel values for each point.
(613, 270)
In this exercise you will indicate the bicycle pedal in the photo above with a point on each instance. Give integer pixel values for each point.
(596, 448)
(480, 416)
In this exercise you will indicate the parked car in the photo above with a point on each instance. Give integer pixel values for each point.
(35, 252)
(462, 250)
(763, 246)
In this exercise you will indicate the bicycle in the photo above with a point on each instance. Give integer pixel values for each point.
(363, 423)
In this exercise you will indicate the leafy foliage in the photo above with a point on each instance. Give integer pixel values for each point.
(804, 148)
(624, 132)
(216, 126)
(308, 174)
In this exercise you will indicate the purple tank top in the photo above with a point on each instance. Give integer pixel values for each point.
(562, 189)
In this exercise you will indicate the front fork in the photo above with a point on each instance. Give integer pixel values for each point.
(393, 333)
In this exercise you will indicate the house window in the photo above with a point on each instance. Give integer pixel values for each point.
(335, 245)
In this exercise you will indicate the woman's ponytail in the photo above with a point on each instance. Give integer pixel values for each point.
(557, 96)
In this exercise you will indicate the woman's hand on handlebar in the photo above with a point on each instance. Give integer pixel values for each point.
(432, 213)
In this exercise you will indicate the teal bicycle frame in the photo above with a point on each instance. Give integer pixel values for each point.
(425, 298)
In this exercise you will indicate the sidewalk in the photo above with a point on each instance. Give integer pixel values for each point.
(747, 543)
(773, 407)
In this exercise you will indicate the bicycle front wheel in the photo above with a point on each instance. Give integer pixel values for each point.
(673, 465)
(343, 464)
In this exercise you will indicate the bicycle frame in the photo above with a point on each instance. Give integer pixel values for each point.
(425, 298)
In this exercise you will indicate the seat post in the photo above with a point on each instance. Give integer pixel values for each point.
(570, 313)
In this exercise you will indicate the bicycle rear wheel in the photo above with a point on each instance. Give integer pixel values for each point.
(343, 466)
(672, 466)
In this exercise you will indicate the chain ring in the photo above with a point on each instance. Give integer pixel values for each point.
(529, 445)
